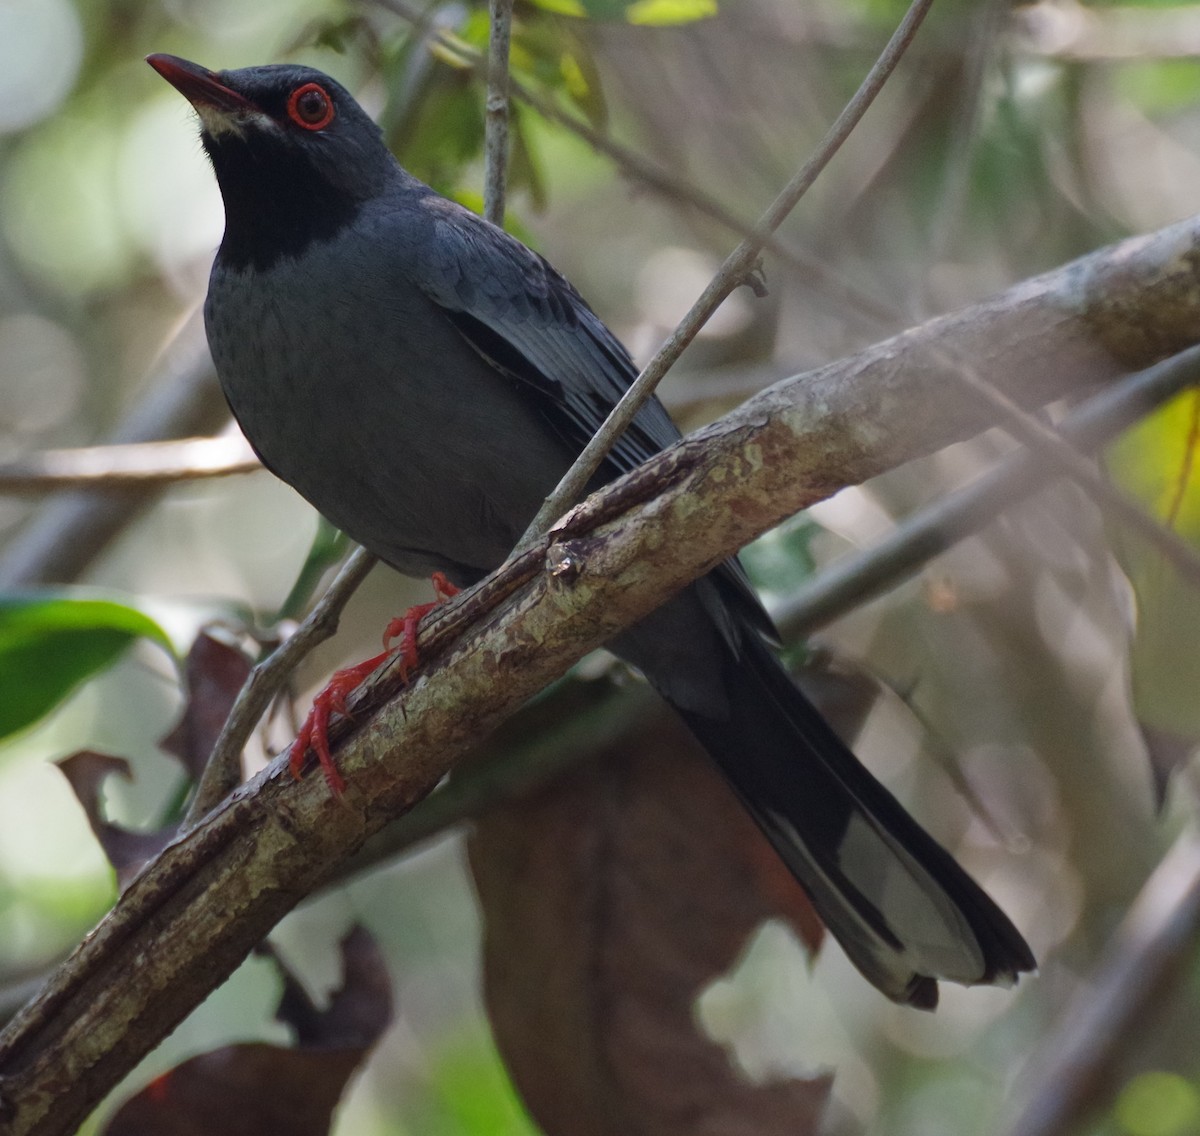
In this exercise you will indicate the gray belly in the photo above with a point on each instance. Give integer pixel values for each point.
(383, 417)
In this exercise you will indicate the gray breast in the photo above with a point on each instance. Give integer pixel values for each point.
(355, 389)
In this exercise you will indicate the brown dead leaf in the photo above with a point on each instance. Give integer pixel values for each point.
(357, 1013)
(611, 899)
(269, 1090)
(213, 675)
(254, 1089)
(127, 850)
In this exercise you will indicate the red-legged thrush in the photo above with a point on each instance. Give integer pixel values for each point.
(424, 380)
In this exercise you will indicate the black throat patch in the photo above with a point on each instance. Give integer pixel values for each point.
(277, 201)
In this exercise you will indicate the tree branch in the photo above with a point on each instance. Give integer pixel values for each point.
(1151, 951)
(132, 465)
(182, 399)
(496, 126)
(854, 579)
(192, 915)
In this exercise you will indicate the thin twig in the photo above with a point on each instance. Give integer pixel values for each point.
(1072, 1074)
(811, 270)
(736, 270)
(496, 129)
(69, 532)
(1028, 430)
(988, 22)
(849, 582)
(223, 770)
(132, 465)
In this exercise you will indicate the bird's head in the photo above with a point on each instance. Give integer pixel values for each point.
(295, 156)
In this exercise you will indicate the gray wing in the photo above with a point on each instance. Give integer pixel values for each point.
(529, 322)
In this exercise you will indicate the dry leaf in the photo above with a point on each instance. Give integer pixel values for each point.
(86, 772)
(611, 900)
(269, 1090)
(214, 674)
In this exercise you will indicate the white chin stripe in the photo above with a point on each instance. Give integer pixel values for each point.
(217, 122)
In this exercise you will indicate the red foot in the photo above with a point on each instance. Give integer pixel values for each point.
(314, 733)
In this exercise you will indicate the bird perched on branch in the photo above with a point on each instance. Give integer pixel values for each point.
(424, 380)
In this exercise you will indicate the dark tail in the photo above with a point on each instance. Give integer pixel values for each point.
(903, 910)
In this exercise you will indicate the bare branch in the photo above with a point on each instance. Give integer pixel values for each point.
(133, 465)
(70, 531)
(851, 581)
(496, 133)
(1152, 950)
(187, 921)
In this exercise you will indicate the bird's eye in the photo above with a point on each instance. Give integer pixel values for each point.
(310, 106)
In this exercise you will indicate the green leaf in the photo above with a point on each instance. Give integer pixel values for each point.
(51, 642)
(563, 7)
(646, 12)
(328, 547)
(1158, 1103)
(659, 13)
(1158, 462)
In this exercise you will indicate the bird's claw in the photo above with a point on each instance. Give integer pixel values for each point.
(314, 733)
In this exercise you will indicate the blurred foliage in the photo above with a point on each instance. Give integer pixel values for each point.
(1014, 138)
(646, 12)
(50, 644)
(1159, 1104)
(468, 1093)
(1156, 462)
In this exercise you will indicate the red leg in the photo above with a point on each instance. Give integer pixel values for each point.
(405, 627)
(442, 588)
(314, 733)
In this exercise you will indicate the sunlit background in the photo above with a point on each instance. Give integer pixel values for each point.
(1012, 139)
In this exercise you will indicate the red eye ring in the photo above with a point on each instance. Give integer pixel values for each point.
(309, 112)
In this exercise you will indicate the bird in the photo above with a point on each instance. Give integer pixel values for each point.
(424, 379)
